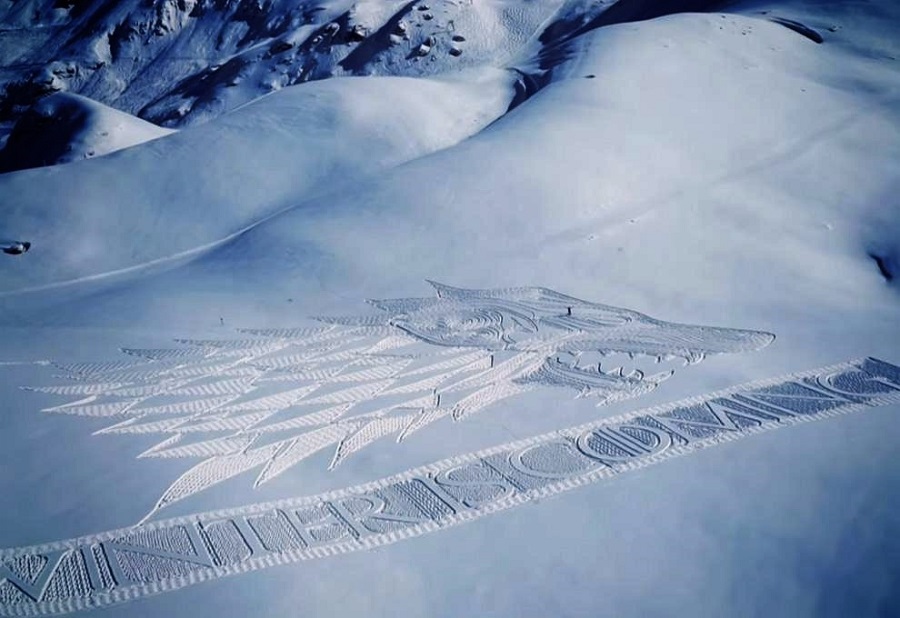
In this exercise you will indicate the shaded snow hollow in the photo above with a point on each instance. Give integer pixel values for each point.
(65, 127)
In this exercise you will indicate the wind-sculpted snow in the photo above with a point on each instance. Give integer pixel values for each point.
(124, 565)
(283, 395)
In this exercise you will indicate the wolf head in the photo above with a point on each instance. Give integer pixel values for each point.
(564, 335)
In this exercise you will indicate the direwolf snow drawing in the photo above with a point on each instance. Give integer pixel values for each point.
(275, 397)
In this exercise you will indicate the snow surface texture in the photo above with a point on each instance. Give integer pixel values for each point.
(722, 169)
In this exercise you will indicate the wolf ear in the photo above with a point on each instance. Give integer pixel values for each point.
(446, 291)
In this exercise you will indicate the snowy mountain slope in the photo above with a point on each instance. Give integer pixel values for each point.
(783, 88)
(714, 170)
(176, 63)
(139, 205)
(65, 127)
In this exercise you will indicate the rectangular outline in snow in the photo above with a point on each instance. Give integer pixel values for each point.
(498, 478)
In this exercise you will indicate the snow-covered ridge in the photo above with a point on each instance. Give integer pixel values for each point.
(65, 127)
(205, 183)
(177, 62)
(117, 215)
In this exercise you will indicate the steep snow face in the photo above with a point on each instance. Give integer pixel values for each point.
(66, 127)
(177, 62)
(200, 185)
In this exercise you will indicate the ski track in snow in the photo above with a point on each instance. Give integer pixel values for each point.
(149, 265)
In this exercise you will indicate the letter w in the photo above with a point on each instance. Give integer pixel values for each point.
(36, 588)
(201, 557)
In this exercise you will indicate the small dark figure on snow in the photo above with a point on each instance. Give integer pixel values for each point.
(17, 248)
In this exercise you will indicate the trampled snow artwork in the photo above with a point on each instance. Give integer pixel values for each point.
(640, 213)
(124, 565)
(283, 395)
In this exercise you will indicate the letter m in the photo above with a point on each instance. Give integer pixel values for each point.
(712, 418)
